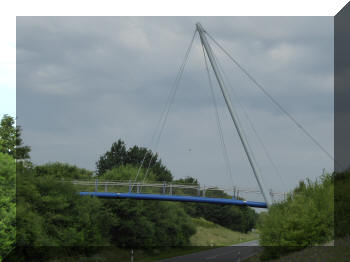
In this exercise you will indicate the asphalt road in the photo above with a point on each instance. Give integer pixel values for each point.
(233, 253)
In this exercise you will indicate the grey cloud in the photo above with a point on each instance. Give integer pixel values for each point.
(84, 82)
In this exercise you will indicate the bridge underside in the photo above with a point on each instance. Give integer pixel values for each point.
(224, 201)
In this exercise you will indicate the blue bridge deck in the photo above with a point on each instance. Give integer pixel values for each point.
(224, 201)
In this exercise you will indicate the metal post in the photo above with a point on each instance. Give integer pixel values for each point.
(204, 191)
(138, 188)
(106, 187)
(164, 185)
(271, 194)
(129, 186)
(96, 185)
(230, 109)
(170, 189)
(199, 190)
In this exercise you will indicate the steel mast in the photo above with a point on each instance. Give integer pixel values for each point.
(218, 76)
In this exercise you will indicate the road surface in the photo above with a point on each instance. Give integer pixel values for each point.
(233, 253)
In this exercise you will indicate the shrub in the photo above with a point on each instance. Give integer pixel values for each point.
(304, 219)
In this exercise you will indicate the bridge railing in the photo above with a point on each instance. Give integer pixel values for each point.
(172, 188)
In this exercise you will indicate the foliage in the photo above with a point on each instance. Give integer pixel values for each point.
(128, 172)
(118, 155)
(146, 223)
(50, 213)
(341, 203)
(304, 219)
(10, 139)
(211, 234)
(62, 171)
(236, 218)
(150, 224)
(242, 219)
(330, 252)
(7, 204)
(187, 180)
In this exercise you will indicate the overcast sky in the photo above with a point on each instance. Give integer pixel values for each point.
(85, 82)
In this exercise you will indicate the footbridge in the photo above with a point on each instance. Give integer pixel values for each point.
(171, 191)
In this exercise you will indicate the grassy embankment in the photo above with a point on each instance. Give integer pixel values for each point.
(208, 235)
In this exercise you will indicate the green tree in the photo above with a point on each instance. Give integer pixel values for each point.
(146, 223)
(113, 158)
(118, 155)
(10, 139)
(51, 213)
(7, 204)
(62, 171)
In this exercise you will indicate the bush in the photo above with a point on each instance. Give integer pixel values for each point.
(341, 202)
(304, 219)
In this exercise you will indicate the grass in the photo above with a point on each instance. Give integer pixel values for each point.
(338, 253)
(210, 234)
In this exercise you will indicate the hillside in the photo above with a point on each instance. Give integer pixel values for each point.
(210, 234)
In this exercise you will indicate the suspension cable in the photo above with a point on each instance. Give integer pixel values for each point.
(267, 154)
(238, 120)
(273, 100)
(165, 112)
(218, 122)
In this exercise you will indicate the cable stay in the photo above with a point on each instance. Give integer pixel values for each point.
(218, 122)
(250, 122)
(274, 101)
(164, 115)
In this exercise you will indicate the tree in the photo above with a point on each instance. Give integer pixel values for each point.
(7, 204)
(113, 158)
(21, 152)
(51, 213)
(10, 139)
(7, 135)
(118, 155)
(62, 171)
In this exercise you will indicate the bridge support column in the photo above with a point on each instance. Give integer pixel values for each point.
(129, 186)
